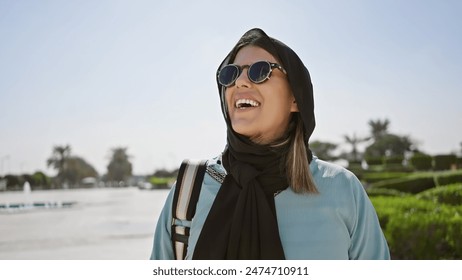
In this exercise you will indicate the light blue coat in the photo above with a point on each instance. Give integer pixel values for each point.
(339, 223)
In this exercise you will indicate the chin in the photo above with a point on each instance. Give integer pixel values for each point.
(245, 133)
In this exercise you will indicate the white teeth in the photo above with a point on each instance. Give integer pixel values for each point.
(244, 103)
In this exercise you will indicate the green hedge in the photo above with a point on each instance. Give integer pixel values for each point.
(384, 192)
(374, 160)
(450, 194)
(357, 170)
(161, 182)
(444, 162)
(372, 177)
(448, 178)
(393, 160)
(407, 184)
(420, 229)
(354, 163)
(421, 162)
(459, 162)
(419, 182)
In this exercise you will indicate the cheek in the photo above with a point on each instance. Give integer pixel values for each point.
(227, 98)
(280, 101)
(225, 102)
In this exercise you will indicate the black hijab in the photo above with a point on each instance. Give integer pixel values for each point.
(242, 222)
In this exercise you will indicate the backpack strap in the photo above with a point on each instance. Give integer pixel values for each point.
(187, 190)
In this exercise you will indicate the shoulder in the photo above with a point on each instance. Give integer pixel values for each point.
(328, 170)
(215, 169)
(330, 175)
(217, 164)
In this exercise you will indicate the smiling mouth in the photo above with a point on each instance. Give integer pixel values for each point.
(246, 103)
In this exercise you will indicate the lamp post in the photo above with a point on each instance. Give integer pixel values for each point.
(4, 158)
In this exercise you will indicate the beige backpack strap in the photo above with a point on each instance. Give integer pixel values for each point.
(187, 190)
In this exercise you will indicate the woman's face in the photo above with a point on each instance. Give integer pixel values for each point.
(272, 101)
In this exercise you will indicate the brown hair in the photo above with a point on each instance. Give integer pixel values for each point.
(297, 164)
(295, 156)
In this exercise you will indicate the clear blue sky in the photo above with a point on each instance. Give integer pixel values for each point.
(141, 74)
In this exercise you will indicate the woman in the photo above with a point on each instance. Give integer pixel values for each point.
(277, 200)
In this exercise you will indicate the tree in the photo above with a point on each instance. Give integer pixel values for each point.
(385, 143)
(119, 168)
(354, 141)
(40, 180)
(77, 169)
(379, 128)
(13, 182)
(323, 150)
(58, 161)
(389, 145)
(71, 169)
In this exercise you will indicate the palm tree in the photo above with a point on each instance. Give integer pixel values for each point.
(379, 128)
(58, 160)
(354, 141)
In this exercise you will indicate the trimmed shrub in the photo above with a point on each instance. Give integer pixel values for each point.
(389, 207)
(459, 162)
(449, 178)
(398, 168)
(451, 194)
(358, 171)
(384, 192)
(420, 229)
(408, 184)
(444, 162)
(419, 182)
(426, 236)
(393, 160)
(374, 160)
(421, 162)
(160, 182)
(354, 163)
(372, 177)
(356, 168)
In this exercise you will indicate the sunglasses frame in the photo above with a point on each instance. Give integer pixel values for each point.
(240, 68)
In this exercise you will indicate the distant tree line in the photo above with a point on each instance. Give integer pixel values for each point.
(379, 144)
(73, 172)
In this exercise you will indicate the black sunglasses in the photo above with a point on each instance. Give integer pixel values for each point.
(258, 72)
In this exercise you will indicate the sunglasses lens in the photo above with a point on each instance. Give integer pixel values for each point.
(228, 75)
(259, 71)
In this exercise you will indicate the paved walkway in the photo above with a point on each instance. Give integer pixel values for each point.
(111, 224)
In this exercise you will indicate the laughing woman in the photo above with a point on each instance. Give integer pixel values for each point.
(277, 200)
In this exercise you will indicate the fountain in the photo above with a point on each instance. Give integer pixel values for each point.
(26, 188)
(28, 203)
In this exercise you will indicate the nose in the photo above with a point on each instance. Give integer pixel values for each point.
(243, 79)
